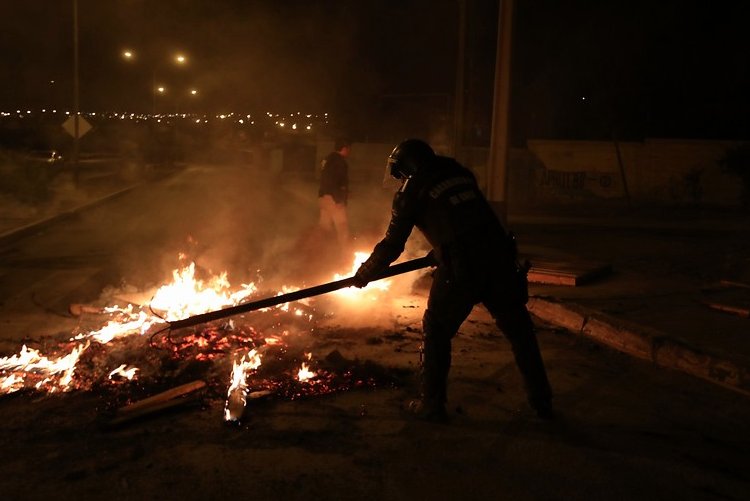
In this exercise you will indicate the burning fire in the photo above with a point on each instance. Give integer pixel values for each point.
(122, 371)
(185, 296)
(237, 393)
(354, 292)
(304, 372)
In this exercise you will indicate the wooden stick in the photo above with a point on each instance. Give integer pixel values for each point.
(396, 269)
(155, 403)
(736, 310)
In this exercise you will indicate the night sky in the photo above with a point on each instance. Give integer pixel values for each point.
(581, 69)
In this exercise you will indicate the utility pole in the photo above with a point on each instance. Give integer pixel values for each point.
(459, 101)
(497, 179)
(76, 95)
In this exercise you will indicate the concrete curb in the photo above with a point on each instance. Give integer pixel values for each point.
(644, 343)
(36, 226)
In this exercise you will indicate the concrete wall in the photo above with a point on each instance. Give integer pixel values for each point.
(656, 171)
(548, 172)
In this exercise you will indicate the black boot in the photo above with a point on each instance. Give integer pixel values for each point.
(520, 332)
(543, 409)
(436, 359)
(426, 410)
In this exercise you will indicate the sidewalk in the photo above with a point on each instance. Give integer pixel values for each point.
(660, 303)
(657, 317)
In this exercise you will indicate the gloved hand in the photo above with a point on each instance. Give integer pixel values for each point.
(360, 281)
(366, 273)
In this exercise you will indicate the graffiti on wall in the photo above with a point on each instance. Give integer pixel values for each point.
(579, 183)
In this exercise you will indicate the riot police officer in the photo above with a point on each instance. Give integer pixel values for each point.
(476, 263)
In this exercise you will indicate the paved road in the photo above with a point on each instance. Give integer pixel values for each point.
(628, 429)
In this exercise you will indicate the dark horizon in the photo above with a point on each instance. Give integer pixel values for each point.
(580, 70)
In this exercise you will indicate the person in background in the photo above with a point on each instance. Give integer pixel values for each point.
(333, 192)
(476, 263)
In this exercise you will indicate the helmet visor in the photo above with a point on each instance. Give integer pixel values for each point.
(391, 167)
(390, 176)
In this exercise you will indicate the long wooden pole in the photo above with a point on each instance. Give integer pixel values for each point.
(396, 269)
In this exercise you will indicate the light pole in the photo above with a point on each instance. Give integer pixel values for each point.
(76, 94)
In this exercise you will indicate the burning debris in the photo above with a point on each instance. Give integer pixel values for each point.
(135, 349)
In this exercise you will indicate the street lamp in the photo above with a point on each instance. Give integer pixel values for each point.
(156, 89)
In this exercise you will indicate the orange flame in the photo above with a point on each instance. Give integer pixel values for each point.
(237, 393)
(187, 296)
(304, 372)
(122, 371)
(364, 292)
(30, 362)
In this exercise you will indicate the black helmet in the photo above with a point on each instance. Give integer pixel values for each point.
(409, 157)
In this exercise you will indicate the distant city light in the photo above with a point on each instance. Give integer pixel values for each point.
(241, 118)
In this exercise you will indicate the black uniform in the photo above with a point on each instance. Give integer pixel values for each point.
(476, 264)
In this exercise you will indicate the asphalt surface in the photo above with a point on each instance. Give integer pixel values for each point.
(635, 423)
(673, 286)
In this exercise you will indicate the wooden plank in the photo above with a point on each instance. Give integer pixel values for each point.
(162, 401)
(566, 273)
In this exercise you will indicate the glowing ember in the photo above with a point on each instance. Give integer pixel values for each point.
(237, 393)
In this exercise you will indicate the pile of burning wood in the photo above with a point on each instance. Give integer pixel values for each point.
(184, 342)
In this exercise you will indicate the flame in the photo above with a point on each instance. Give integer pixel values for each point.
(128, 322)
(237, 392)
(187, 295)
(123, 372)
(364, 292)
(304, 372)
(184, 297)
(30, 364)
